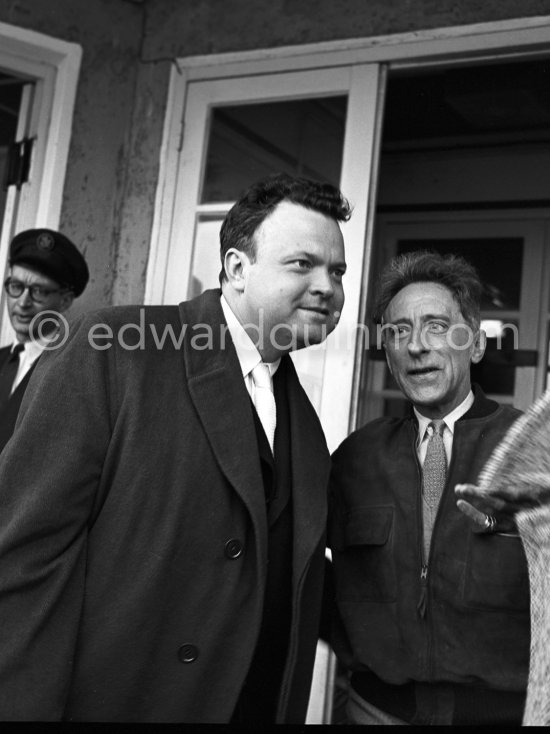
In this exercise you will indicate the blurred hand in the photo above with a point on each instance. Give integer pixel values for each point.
(478, 505)
(531, 490)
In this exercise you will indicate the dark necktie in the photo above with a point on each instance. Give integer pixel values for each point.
(434, 475)
(8, 373)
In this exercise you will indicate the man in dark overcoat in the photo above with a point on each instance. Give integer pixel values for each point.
(162, 531)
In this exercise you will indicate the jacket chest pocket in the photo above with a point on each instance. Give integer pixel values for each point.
(496, 575)
(362, 554)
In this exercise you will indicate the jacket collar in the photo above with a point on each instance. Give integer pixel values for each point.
(482, 407)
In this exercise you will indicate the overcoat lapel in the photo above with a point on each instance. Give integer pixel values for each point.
(218, 392)
(221, 400)
(310, 472)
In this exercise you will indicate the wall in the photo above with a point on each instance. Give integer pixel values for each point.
(212, 26)
(109, 33)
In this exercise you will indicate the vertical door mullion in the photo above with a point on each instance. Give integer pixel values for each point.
(530, 322)
(361, 151)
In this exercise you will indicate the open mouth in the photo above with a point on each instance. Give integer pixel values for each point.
(419, 371)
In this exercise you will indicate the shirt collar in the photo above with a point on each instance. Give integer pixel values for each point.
(33, 349)
(449, 419)
(247, 354)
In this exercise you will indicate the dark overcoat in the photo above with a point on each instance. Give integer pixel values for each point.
(133, 469)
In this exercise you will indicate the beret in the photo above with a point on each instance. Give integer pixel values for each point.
(52, 254)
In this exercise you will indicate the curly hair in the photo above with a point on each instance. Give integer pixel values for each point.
(259, 200)
(451, 271)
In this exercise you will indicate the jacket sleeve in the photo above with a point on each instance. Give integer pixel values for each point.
(49, 474)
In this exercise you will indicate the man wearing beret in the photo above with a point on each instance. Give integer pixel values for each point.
(46, 272)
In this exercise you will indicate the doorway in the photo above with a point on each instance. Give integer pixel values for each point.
(465, 168)
(38, 81)
(11, 95)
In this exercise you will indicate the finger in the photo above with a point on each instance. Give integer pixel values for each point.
(485, 503)
(470, 511)
(488, 501)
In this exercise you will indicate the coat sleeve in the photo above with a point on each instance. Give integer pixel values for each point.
(49, 475)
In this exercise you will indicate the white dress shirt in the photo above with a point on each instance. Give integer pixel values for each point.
(448, 434)
(247, 353)
(29, 355)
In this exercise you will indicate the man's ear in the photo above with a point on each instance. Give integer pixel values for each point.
(236, 265)
(66, 301)
(479, 346)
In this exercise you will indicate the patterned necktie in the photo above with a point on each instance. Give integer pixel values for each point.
(8, 373)
(434, 474)
(434, 471)
(264, 400)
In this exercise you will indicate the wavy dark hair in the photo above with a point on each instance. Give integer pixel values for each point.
(260, 199)
(451, 271)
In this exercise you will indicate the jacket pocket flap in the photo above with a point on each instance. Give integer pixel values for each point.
(368, 526)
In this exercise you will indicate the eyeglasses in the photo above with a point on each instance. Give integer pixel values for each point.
(38, 293)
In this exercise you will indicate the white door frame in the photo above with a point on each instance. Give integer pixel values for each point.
(53, 65)
(442, 46)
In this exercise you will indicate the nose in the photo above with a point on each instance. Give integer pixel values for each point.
(417, 342)
(322, 283)
(25, 299)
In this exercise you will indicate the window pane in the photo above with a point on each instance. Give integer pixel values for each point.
(247, 142)
(496, 373)
(206, 255)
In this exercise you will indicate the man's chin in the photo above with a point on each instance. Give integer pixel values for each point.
(314, 335)
(425, 398)
(22, 332)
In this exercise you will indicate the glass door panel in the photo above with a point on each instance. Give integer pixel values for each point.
(250, 141)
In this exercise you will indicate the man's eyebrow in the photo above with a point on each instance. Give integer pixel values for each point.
(400, 320)
(299, 255)
(424, 317)
(315, 258)
(440, 316)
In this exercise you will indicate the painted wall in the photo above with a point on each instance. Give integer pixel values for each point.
(109, 33)
(176, 28)
(127, 51)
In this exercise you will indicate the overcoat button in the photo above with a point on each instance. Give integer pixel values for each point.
(188, 653)
(233, 548)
